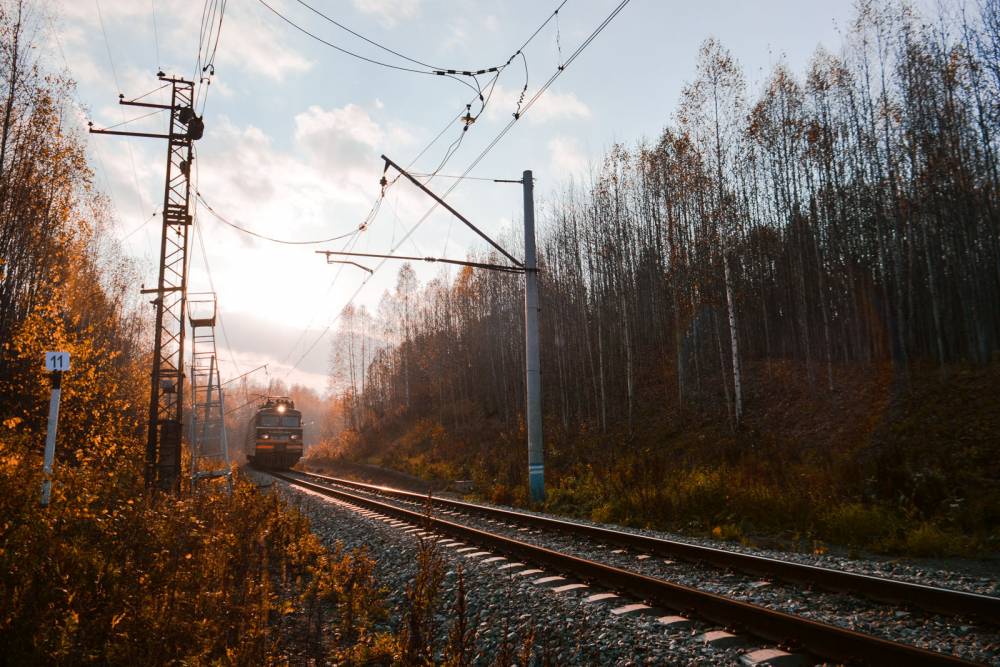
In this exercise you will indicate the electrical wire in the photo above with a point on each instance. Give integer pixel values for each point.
(218, 34)
(468, 178)
(362, 37)
(211, 284)
(206, 15)
(223, 220)
(531, 102)
(156, 35)
(423, 218)
(341, 49)
(132, 120)
(154, 90)
(348, 246)
(208, 270)
(366, 59)
(141, 225)
(208, 45)
(114, 74)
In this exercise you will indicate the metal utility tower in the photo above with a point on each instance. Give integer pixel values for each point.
(209, 446)
(166, 402)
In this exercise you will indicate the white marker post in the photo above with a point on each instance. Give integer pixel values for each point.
(56, 363)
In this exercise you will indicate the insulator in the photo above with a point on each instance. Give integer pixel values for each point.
(196, 128)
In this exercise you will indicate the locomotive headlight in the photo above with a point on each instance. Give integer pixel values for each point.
(281, 408)
(265, 436)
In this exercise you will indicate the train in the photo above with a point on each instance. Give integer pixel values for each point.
(274, 434)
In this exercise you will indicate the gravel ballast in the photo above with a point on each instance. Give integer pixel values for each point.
(933, 632)
(569, 630)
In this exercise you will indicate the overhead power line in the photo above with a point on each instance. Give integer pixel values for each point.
(114, 74)
(156, 33)
(223, 220)
(212, 15)
(527, 106)
(132, 120)
(208, 270)
(340, 48)
(428, 69)
(362, 37)
(141, 226)
(475, 162)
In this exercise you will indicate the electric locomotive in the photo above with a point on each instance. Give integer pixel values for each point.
(274, 435)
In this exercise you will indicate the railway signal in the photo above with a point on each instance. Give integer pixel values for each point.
(56, 363)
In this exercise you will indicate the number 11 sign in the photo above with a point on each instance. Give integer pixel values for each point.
(57, 361)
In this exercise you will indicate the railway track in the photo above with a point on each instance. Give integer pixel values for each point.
(893, 591)
(796, 633)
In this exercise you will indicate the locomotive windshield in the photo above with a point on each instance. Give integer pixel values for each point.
(274, 436)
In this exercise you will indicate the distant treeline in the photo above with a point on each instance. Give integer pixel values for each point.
(847, 215)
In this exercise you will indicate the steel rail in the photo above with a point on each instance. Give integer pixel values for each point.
(823, 640)
(930, 598)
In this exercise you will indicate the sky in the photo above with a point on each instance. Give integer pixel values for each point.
(294, 130)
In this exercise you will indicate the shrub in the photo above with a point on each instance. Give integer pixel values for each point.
(929, 540)
(728, 532)
(855, 525)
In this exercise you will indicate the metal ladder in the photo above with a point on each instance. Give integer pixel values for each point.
(209, 447)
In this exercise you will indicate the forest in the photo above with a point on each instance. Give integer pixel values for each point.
(781, 316)
(778, 322)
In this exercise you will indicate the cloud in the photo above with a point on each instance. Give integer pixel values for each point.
(549, 107)
(389, 12)
(250, 40)
(321, 186)
(255, 340)
(338, 136)
(566, 157)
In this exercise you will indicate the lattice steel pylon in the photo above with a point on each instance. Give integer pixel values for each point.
(209, 446)
(166, 403)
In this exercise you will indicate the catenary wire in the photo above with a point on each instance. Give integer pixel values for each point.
(139, 227)
(348, 246)
(409, 234)
(154, 90)
(156, 35)
(531, 102)
(211, 284)
(208, 270)
(340, 48)
(97, 152)
(358, 55)
(362, 37)
(114, 74)
(223, 220)
(132, 120)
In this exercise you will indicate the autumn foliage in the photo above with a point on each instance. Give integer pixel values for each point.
(109, 573)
